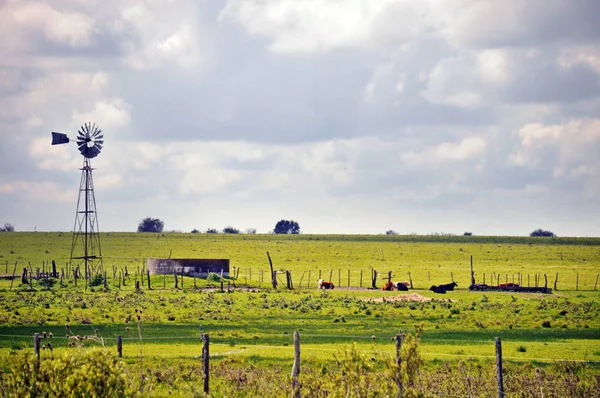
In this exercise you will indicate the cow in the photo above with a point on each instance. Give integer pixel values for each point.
(325, 285)
(510, 284)
(450, 286)
(438, 289)
(401, 287)
(389, 286)
(405, 283)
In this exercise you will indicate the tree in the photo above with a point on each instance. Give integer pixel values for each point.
(212, 231)
(195, 231)
(150, 224)
(230, 230)
(8, 227)
(391, 232)
(541, 232)
(251, 231)
(287, 227)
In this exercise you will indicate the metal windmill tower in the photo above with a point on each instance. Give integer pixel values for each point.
(85, 247)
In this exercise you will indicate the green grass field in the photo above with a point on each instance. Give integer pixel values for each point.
(255, 323)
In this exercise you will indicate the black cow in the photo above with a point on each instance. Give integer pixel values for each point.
(438, 289)
(449, 286)
(401, 287)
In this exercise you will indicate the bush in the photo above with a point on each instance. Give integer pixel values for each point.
(212, 231)
(195, 231)
(8, 227)
(230, 230)
(391, 232)
(150, 224)
(541, 232)
(97, 280)
(47, 282)
(93, 373)
(287, 227)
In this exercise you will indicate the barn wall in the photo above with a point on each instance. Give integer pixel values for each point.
(199, 267)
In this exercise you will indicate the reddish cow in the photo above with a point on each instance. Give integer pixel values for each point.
(325, 285)
(389, 286)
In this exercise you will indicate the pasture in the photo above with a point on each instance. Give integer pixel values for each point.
(254, 324)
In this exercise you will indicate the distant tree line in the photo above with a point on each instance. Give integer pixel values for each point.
(8, 227)
(150, 224)
(541, 232)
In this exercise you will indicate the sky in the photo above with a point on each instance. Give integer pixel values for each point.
(347, 116)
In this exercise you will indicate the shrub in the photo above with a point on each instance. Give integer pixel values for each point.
(47, 282)
(546, 324)
(541, 232)
(521, 348)
(97, 280)
(230, 230)
(93, 373)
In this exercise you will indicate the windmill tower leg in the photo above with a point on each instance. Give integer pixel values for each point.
(85, 246)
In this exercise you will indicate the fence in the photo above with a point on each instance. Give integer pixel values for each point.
(295, 387)
(342, 278)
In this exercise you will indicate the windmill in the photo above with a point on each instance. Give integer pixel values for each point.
(85, 247)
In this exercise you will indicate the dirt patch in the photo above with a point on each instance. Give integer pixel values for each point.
(400, 297)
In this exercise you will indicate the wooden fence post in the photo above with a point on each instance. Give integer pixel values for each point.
(361, 278)
(473, 273)
(410, 280)
(555, 280)
(348, 277)
(452, 276)
(120, 346)
(577, 281)
(499, 368)
(36, 347)
(273, 275)
(374, 280)
(308, 281)
(176, 280)
(148, 272)
(296, 367)
(205, 363)
(595, 285)
(399, 364)
(339, 277)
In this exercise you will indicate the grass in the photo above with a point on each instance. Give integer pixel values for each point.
(254, 324)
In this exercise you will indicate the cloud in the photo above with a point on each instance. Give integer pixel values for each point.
(310, 26)
(112, 112)
(466, 149)
(34, 18)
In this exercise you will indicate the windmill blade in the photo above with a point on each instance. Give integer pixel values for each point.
(92, 152)
(59, 138)
(97, 133)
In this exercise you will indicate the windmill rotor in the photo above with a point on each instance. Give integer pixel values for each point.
(90, 140)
